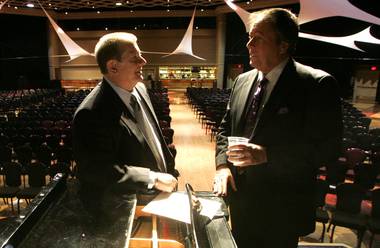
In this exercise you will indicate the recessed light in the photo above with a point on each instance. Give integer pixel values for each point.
(30, 5)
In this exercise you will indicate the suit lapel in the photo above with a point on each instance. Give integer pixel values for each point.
(126, 117)
(131, 125)
(279, 93)
(243, 95)
(147, 102)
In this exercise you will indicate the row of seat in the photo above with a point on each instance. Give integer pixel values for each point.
(356, 165)
(347, 211)
(27, 184)
(209, 106)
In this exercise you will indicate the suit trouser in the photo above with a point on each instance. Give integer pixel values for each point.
(252, 230)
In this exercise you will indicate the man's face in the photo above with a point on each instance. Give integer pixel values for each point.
(129, 69)
(265, 50)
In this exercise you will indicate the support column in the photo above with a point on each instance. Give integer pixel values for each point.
(220, 47)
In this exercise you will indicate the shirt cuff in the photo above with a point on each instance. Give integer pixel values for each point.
(152, 179)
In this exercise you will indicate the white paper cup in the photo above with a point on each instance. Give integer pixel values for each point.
(235, 140)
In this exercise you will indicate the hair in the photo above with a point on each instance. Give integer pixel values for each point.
(112, 46)
(285, 24)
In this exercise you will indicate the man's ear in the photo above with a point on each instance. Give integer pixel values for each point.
(112, 66)
(284, 46)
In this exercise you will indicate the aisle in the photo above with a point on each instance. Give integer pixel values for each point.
(195, 152)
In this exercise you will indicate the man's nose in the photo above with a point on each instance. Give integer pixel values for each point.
(142, 61)
(249, 43)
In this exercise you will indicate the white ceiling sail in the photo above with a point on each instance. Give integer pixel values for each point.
(72, 48)
(347, 41)
(3, 3)
(186, 47)
(316, 9)
(244, 15)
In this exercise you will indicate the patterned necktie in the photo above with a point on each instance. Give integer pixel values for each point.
(254, 103)
(147, 130)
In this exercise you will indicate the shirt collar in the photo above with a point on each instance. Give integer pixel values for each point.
(124, 95)
(275, 73)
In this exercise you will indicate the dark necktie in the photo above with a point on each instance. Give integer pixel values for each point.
(253, 107)
(147, 130)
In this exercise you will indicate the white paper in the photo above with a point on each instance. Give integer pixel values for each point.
(176, 206)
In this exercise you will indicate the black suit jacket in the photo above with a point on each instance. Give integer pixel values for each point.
(112, 156)
(300, 127)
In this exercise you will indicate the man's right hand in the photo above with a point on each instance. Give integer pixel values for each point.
(165, 182)
(222, 178)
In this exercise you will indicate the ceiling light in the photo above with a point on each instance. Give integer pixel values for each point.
(78, 29)
(168, 10)
(118, 4)
(98, 12)
(16, 7)
(106, 28)
(30, 5)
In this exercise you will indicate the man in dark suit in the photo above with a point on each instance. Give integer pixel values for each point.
(296, 129)
(119, 149)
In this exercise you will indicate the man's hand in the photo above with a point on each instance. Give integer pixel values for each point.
(246, 154)
(165, 182)
(222, 178)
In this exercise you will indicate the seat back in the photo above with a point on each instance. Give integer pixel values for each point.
(37, 174)
(375, 203)
(336, 173)
(12, 172)
(355, 156)
(349, 197)
(365, 176)
(321, 192)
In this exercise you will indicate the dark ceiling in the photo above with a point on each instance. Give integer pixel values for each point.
(83, 5)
